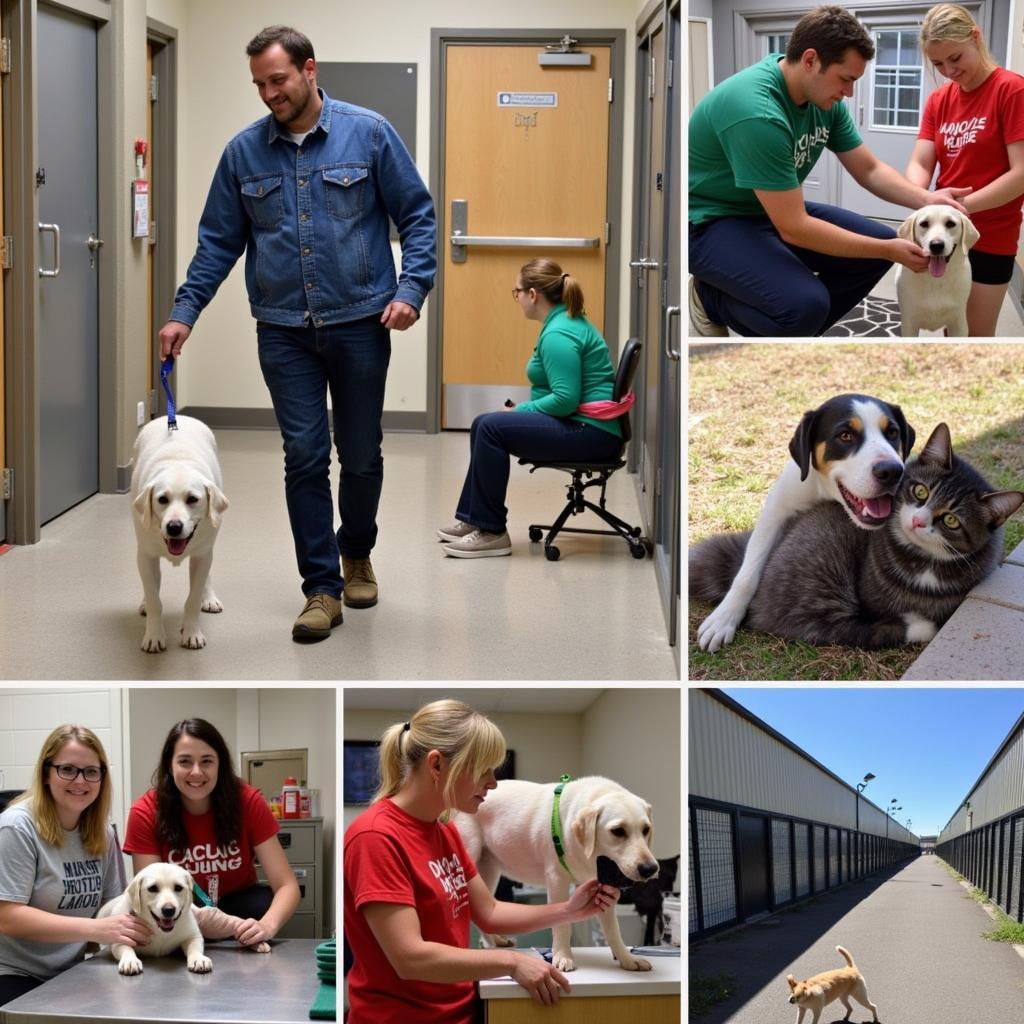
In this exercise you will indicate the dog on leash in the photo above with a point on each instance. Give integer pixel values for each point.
(937, 300)
(177, 503)
(816, 993)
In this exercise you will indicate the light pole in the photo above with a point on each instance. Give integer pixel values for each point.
(892, 809)
(860, 789)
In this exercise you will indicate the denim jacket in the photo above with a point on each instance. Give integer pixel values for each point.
(313, 222)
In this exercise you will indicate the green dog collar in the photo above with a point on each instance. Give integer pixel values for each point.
(556, 825)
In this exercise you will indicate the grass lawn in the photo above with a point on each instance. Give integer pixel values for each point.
(745, 401)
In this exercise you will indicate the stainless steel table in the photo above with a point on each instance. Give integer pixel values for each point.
(243, 988)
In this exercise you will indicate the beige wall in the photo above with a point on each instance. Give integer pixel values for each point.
(217, 99)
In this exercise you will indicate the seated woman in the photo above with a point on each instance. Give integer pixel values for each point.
(570, 366)
(59, 863)
(202, 816)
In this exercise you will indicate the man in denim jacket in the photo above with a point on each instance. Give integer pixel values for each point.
(306, 193)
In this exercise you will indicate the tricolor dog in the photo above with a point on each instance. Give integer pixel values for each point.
(937, 299)
(849, 450)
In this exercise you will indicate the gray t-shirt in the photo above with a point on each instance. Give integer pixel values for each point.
(60, 880)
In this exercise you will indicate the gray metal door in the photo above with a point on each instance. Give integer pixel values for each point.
(68, 218)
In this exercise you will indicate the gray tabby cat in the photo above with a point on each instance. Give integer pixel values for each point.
(828, 582)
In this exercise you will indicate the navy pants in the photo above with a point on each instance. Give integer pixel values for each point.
(14, 985)
(749, 279)
(300, 365)
(495, 436)
(253, 902)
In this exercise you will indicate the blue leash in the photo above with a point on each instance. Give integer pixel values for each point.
(165, 370)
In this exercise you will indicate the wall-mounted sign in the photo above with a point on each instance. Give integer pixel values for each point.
(527, 99)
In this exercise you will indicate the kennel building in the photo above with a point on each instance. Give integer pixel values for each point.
(769, 825)
(984, 839)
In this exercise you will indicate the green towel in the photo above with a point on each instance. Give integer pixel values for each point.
(325, 1006)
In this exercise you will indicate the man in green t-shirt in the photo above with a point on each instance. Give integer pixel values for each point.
(765, 262)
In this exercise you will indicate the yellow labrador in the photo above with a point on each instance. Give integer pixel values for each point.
(511, 834)
(936, 299)
(177, 503)
(160, 895)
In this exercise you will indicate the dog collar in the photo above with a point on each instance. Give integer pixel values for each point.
(556, 825)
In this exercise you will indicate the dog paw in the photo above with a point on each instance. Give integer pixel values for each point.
(634, 963)
(153, 643)
(563, 962)
(129, 965)
(212, 605)
(193, 639)
(200, 964)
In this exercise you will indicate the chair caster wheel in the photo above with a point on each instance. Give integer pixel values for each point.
(635, 532)
(536, 533)
(638, 550)
(551, 553)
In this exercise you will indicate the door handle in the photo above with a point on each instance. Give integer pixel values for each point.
(671, 312)
(93, 242)
(54, 229)
(645, 264)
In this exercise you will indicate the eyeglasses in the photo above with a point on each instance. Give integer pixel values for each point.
(68, 772)
(516, 291)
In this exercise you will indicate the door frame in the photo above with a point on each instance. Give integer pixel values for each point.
(440, 40)
(21, 295)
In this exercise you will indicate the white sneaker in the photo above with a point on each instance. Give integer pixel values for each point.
(456, 531)
(480, 544)
(703, 325)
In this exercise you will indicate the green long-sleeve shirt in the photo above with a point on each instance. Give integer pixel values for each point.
(570, 365)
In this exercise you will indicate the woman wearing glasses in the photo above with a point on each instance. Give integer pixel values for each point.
(59, 863)
(570, 366)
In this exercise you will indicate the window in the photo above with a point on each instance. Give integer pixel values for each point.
(774, 42)
(896, 94)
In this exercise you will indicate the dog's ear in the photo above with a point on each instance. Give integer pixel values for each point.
(649, 838)
(143, 505)
(584, 829)
(134, 891)
(800, 443)
(791, 980)
(1002, 505)
(907, 433)
(216, 502)
(906, 229)
(971, 234)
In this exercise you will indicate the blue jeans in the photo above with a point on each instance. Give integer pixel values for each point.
(494, 436)
(299, 365)
(749, 279)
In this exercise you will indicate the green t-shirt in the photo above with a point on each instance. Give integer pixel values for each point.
(748, 133)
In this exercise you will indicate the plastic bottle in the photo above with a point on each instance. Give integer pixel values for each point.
(291, 801)
(304, 803)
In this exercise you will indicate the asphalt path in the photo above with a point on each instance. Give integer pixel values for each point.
(912, 932)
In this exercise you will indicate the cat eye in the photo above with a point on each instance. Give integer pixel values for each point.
(951, 521)
(919, 491)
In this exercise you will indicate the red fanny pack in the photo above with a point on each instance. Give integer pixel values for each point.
(606, 409)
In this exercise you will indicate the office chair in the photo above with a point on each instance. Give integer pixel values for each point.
(597, 474)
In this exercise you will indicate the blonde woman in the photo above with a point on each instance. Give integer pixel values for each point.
(411, 889)
(570, 366)
(59, 865)
(972, 129)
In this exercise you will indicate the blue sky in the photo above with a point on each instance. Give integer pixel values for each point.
(926, 747)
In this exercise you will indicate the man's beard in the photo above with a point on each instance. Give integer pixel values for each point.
(295, 109)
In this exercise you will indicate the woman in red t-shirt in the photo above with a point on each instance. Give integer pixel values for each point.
(202, 816)
(411, 888)
(973, 130)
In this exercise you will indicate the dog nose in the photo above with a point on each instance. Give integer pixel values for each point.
(167, 911)
(887, 473)
(174, 528)
(937, 246)
(647, 870)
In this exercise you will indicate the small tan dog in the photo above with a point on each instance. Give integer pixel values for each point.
(816, 993)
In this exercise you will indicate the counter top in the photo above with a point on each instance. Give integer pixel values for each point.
(598, 974)
(244, 988)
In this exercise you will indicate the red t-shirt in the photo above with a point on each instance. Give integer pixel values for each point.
(217, 870)
(971, 131)
(392, 857)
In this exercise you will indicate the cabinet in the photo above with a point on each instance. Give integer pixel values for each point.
(302, 840)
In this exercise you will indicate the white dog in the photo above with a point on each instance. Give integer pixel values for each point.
(937, 299)
(178, 502)
(511, 834)
(160, 895)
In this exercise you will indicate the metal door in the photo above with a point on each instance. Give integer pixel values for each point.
(68, 254)
(754, 864)
(526, 173)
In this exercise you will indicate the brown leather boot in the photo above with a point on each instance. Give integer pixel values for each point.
(360, 583)
(321, 613)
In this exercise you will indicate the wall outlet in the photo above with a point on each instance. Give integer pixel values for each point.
(140, 414)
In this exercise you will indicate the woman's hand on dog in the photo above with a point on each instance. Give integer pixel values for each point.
(910, 254)
(592, 898)
(250, 932)
(121, 929)
(539, 978)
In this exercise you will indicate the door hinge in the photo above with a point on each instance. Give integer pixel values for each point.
(6, 252)
(650, 81)
(154, 88)
(611, 89)
(8, 484)
(607, 233)
(152, 232)
(670, 68)
(6, 61)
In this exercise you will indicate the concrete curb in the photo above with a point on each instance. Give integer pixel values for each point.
(994, 914)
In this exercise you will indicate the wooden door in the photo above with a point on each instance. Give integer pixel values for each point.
(3, 385)
(523, 171)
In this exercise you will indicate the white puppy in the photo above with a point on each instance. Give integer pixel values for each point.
(937, 299)
(177, 501)
(160, 895)
(511, 834)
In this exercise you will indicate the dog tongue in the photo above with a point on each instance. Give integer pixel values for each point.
(176, 545)
(878, 508)
(936, 266)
